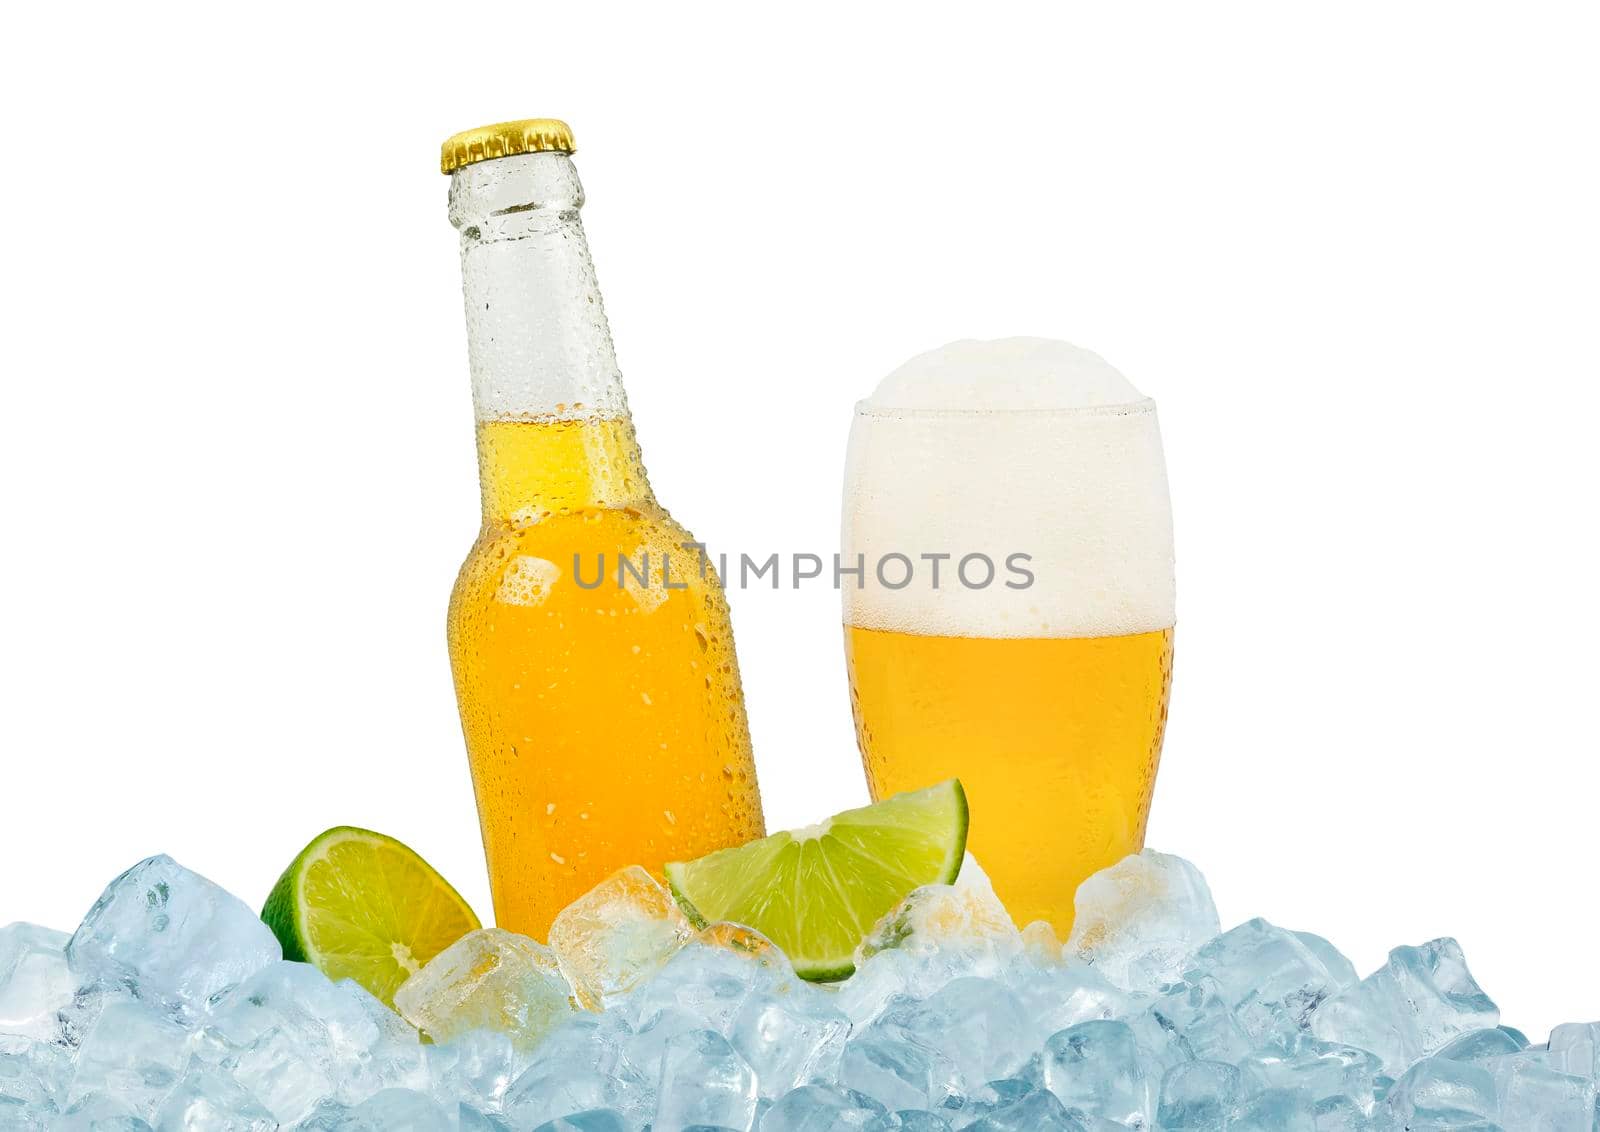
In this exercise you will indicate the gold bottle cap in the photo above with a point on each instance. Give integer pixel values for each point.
(503, 139)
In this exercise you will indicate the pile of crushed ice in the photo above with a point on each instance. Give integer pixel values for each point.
(170, 1008)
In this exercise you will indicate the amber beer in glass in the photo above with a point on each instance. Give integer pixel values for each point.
(1036, 668)
(593, 660)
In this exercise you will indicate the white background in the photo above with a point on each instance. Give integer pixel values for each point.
(1352, 251)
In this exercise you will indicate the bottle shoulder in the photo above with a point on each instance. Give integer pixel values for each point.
(641, 541)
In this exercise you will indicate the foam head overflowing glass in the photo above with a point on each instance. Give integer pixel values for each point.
(1011, 624)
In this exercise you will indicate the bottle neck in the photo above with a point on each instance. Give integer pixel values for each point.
(553, 427)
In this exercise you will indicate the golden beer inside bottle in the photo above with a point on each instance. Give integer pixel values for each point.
(604, 722)
(1055, 739)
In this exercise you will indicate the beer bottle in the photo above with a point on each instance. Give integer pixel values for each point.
(589, 641)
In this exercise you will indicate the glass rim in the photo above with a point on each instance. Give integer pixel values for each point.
(865, 408)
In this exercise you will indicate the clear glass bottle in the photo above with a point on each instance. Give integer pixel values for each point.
(593, 659)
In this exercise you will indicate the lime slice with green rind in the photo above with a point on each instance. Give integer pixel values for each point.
(359, 905)
(816, 892)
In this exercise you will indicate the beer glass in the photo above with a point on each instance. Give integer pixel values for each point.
(1011, 620)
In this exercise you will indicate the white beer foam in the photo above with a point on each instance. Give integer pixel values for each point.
(1021, 446)
(1005, 373)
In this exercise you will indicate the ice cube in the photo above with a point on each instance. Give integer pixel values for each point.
(293, 1038)
(1436, 1091)
(954, 930)
(1057, 997)
(898, 1074)
(644, 1048)
(1415, 1004)
(1035, 1111)
(536, 1098)
(1197, 1019)
(1099, 1068)
(1139, 920)
(594, 1120)
(1276, 1110)
(713, 976)
(22, 1116)
(615, 936)
(990, 1096)
(1446, 1000)
(134, 1052)
(865, 994)
(1369, 1016)
(1515, 1034)
(472, 1119)
(288, 1075)
(397, 1110)
(207, 1100)
(328, 1116)
(32, 1072)
(1344, 1114)
(763, 962)
(908, 1120)
(1321, 1070)
(35, 984)
(477, 1066)
(1341, 971)
(790, 1039)
(1480, 1045)
(1269, 977)
(1040, 945)
(1576, 1048)
(78, 1017)
(704, 1082)
(821, 1108)
(170, 934)
(101, 1112)
(975, 1026)
(1533, 1095)
(577, 1068)
(488, 979)
(396, 1059)
(1198, 1096)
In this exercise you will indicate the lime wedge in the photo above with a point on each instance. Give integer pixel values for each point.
(816, 892)
(359, 905)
